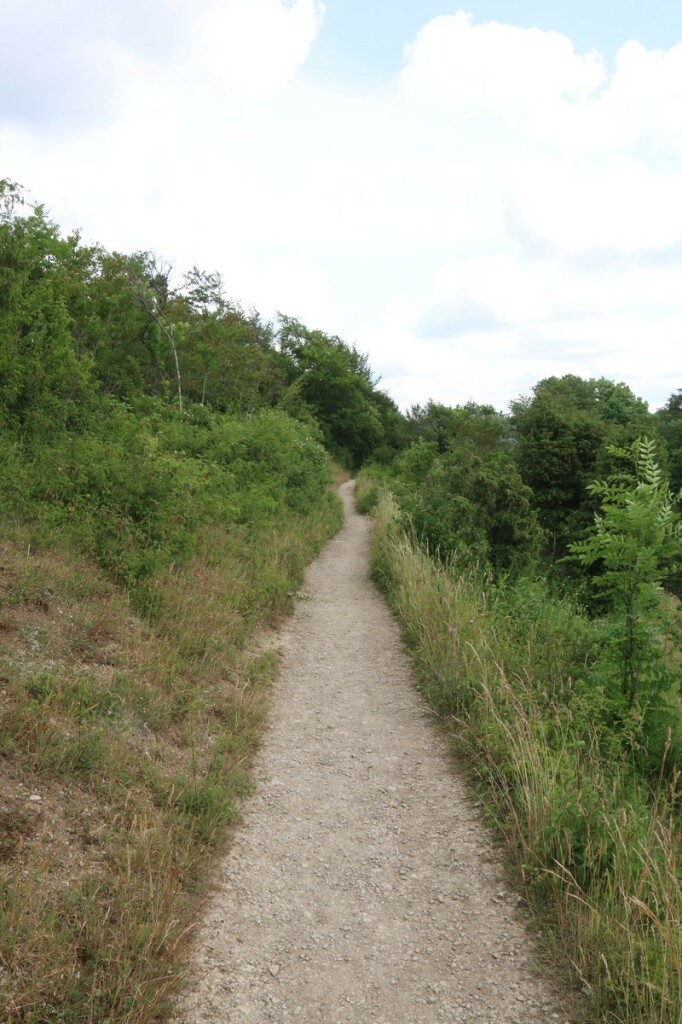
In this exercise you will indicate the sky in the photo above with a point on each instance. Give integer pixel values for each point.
(477, 197)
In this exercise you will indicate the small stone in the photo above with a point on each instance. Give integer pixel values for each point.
(274, 970)
(35, 799)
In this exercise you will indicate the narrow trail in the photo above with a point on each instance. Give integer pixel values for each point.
(361, 887)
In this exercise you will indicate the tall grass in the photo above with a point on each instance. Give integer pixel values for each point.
(595, 847)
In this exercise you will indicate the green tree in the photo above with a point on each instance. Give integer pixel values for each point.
(480, 427)
(44, 383)
(636, 542)
(669, 420)
(564, 430)
(335, 382)
(110, 326)
(394, 433)
(151, 292)
(228, 359)
(470, 505)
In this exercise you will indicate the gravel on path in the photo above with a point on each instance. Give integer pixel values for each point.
(361, 886)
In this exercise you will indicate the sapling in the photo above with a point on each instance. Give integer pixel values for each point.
(636, 542)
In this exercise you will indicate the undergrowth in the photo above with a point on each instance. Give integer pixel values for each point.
(595, 844)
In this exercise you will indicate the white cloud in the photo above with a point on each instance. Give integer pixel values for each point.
(68, 62)
(64, 62)
(285, 284)
(646, 93)
(622, 205)
(492, 69)
(504, 209)
(256, 46)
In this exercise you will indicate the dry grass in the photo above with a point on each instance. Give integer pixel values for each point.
(339, 475)
(134, 737)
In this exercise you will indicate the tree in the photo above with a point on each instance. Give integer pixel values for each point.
(229, 359)
(43, 381)
(151, 291)
(127, 352)
(394, 434)
(669, 420)
(563, 435)
(479, 427)
(204, 292)
(637, 541)
(470, 505)
(335, 382)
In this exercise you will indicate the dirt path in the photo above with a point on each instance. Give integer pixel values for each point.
(362, 887)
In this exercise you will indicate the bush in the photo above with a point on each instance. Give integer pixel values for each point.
(135, 488)
(467, 505)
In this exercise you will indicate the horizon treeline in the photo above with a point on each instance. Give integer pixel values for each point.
(514, 490)
(79, 324)
(88, 335)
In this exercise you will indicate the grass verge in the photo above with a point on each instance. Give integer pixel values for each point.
(596, 849)
(125, 747)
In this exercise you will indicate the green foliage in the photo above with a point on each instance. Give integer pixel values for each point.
(636, 542)
(76, 321)
(478, 427)
(563, 432)
(94, 348)
(544, 636)
(463, 494)
(335, 382)
(229, 361)
(669, 421)
(111, 327)
(367, 489)
(43, 382)
(135, 490)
